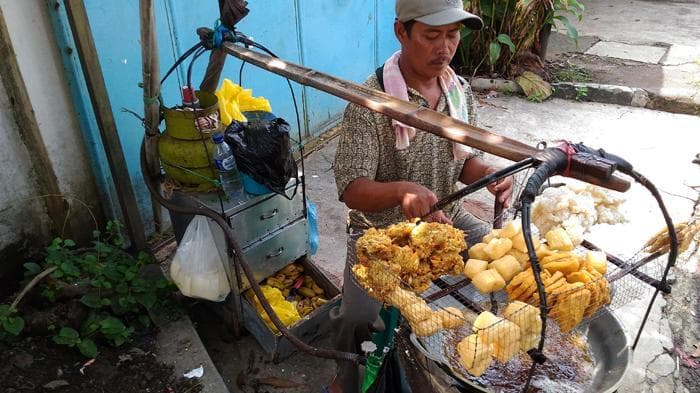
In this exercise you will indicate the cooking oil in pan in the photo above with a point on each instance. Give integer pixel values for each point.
(569, 366)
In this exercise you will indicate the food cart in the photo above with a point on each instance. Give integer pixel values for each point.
(264, 234)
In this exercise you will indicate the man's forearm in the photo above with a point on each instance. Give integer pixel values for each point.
(474, 169)
(372, 196)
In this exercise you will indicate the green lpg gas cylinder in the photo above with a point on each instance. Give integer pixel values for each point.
(184, 150)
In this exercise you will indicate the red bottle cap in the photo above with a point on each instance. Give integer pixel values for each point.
(188, 96)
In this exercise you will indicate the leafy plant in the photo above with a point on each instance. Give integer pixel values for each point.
(71, 338)
(572, 73)
(512, 29)
(581, 93)
(108, 281)
(11, 324)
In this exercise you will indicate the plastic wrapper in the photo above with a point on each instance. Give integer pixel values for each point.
(197, 268)
(234, 100)
(263, 151)
(286, 311)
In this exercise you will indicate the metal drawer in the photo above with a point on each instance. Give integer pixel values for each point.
(274, 252)
(307, 329)
(260, 220)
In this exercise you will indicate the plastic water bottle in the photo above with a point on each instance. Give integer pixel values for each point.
(226, 165)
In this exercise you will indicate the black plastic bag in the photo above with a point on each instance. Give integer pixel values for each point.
(263, 151)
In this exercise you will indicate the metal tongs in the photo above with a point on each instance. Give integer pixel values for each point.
(479, 184)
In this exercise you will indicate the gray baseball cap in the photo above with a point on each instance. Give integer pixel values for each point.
(436, 13)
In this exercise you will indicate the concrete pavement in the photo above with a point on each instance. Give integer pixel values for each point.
(649, 45)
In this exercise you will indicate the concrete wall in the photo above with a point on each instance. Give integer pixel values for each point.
(22, 210)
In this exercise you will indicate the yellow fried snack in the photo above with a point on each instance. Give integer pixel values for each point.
(495, 233)
(570, 305)
(400, 233)
(474, 266)
(566, 263)
(556, 256)
(559, 239)
(507, 266)
(477, 252)
(551, 284)
(522, 286)
(427, 327)
(374, 244)
(447, 262)
(488, 281)
(406, 258)
(597, 260)
(502, 333)
(519, 242)
(497, 248)
(474, 354)
(526, 316)
(511, 228)
(432, 237)
(543, 251)
(522, 257)
(519, 283)
(401, 298)
(528, 319)
(420, 283)
(381, 278)
(451, 317)
(410, 253)
(416, 312)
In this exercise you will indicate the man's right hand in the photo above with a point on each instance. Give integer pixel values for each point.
(417, 200)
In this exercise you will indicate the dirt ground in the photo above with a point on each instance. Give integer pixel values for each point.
(36, 364)
(608, 70)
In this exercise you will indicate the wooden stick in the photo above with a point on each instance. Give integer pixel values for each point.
(418, 116)
(231, 11)
(35, 280)
(90, 64)
(150, 71)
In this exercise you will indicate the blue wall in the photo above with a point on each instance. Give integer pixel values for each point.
(345, 38)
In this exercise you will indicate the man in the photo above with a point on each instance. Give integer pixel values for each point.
(387, 172)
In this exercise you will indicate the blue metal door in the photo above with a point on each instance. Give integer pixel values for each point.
(345, 38)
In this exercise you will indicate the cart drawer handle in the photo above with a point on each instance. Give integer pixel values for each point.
(276, 253)
(269, 215)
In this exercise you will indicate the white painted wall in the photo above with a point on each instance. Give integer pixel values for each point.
(40, 64)
(21, 215)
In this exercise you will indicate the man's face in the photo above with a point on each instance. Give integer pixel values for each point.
(428, 49)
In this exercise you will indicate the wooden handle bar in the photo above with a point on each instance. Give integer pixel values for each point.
(417, 116)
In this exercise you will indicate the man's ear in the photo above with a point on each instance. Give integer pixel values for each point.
(400, 31)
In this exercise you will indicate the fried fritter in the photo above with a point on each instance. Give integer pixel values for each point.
(400, 233)
(432, 237)
(374, 244)
(446, 262)
(406, 258)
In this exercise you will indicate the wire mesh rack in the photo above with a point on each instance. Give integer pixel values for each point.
(486, 328)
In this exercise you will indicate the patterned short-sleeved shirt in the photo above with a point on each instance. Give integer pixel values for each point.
(367, 148)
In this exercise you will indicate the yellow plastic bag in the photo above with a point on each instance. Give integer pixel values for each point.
(286, 311)
(233, 100)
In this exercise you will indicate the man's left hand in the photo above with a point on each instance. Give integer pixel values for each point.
(502, 189)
